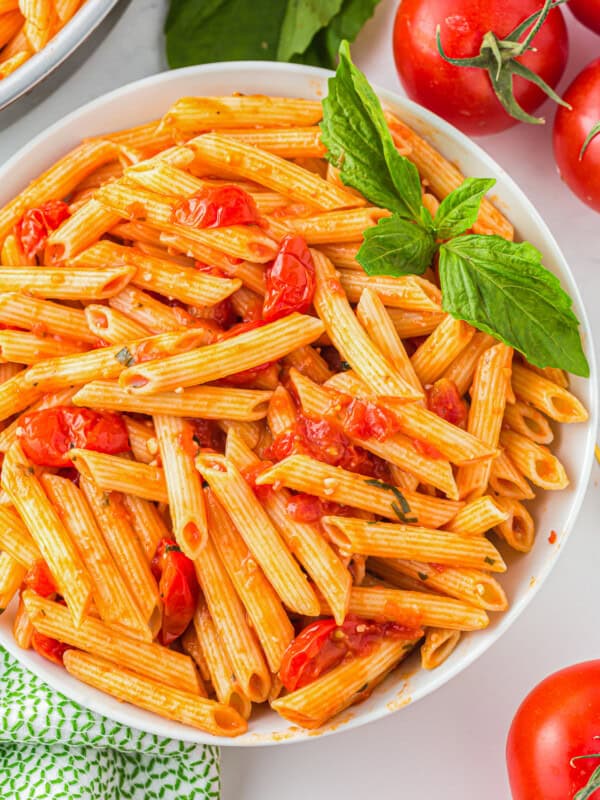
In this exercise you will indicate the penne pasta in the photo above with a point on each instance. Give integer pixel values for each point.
(66, 283)
(535, 461)
(548, 397)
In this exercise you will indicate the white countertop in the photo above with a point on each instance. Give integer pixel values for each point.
(451, 744)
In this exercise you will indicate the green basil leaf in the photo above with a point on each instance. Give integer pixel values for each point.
(346, 25)
(458, 211)
(303, 20)
(360, 145)
(396, 246)
(501, 288)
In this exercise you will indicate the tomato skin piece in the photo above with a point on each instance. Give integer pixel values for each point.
(178, 588)
(570, 131)
(36, 224)
(49, 648)
(587, 12)
(39, 578)
(46, 436)
(366, 420)
(217, 207)
(309, 508)
(290, 281)
(443, 398)
(557, 721)
(464, 95)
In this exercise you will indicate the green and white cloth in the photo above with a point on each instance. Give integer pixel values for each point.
(53, 749)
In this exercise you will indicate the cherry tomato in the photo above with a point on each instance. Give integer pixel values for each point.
(247, 376)
(216, 207)
(366, 420)
(464, 95)
(556, 724)
(46, 436)
(580, 172)
(36, 224)
(48, 647)
(587, 12)
(178, 588)
(323, 645)
(443, 399)
(39, 578)
(290, 281)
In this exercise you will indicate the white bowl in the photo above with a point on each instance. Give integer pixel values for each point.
(148, 99)
(59, 48)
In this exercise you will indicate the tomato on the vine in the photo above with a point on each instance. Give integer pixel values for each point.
(473, 30)
(580, 170)
(587, 12)
(553, 746)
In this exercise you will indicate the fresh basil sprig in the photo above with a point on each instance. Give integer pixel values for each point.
(498, 286)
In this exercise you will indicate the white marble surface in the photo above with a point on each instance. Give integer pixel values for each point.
(451, 744)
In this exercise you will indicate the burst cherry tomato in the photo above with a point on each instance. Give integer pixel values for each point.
(36, 225)
(556, 724)
(366, 420)
(216, 207)
(39, 579)
(48, 647)
(46, 436)
(290, 281)
(464, 95)
(177, 586)
(443, 399)
(587, 12)
(580, 171)
(323, 645)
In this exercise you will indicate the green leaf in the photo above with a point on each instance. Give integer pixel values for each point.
(201, 31)
(303, 20)
(458, 211)
(346, 25)
(501, 288)
(396, 246)
(360, 145)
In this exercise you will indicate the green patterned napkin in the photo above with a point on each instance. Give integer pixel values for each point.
(53, 749)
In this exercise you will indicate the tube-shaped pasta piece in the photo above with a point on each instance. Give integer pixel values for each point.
(105, 362)
(142, 439)
(557, 376)
(507, 481)
(462, 369)
(314, 704)
(264, 607)
(244, 351)
(308, 361)
(158, 275)
(64, 283)
(117, 474)
(24, 311)
(112, 595)
(342, 254)
(184, 487)
(147, 522)
(65, 9)
(375, 319)
(281, 414)
(386, 540)
(306, 474)
(251, 432)
(10, 65)
(222, 677)
(207, 402)
(259, 533)
(439, 644)
(191, 646)
(127, 686)
(195, 114)
(149, 312)
(52, 538)
(415, 323)
(518, 531)
(15, 539)
(300, 142)
(553, 400)
(477, 517)
(229, 617)
(535, 461)
(23, 347)
(112, 326)
(488, 403)
(12, 253)
(347, 225)
(529, 422)
(473, 586)
(441, 347)
(89, 222)
(39, 21)
(22, 627)
(128, 553)
(349, 338)
(272, 171)
(11, 577)
(409, 292)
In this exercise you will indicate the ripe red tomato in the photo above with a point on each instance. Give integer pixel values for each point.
(587, 12)
(558, 722)
(571, 128)
(366, 420)
(217, 207)
(46, 436)
(37, 223)
(290, 281)
(464, 95)
(39, 579)
(178, 588)
(48, 647)
(444, 399)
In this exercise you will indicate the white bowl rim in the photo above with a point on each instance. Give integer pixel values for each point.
(185, 733)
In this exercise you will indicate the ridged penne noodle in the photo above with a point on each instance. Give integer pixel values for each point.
(439, 644)
(557, 376)
(508, 481)
(84, 227)
(535, 461)
(112, 326)
(308, 361)
(348, 225)
(32, 313)
(12, 253)
(477, 517)
(147, 522)
(553, 400)
(462, 369)
(39, 21)
(152, 314)
(518, 530)
(65, 283)
(142, 440)
(11, 577)
(415, 323)
(288, 143)
(441, 347)
(27, 348)
(528, 421)
(22, 628)
(116, 474)
(408, 292)
(15, 539)
(10, 65)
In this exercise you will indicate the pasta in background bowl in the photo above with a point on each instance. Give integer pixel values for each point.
(149, 99)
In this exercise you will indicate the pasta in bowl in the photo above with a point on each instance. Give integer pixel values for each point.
(241, 472)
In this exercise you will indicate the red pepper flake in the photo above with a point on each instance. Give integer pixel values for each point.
(553, 537)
